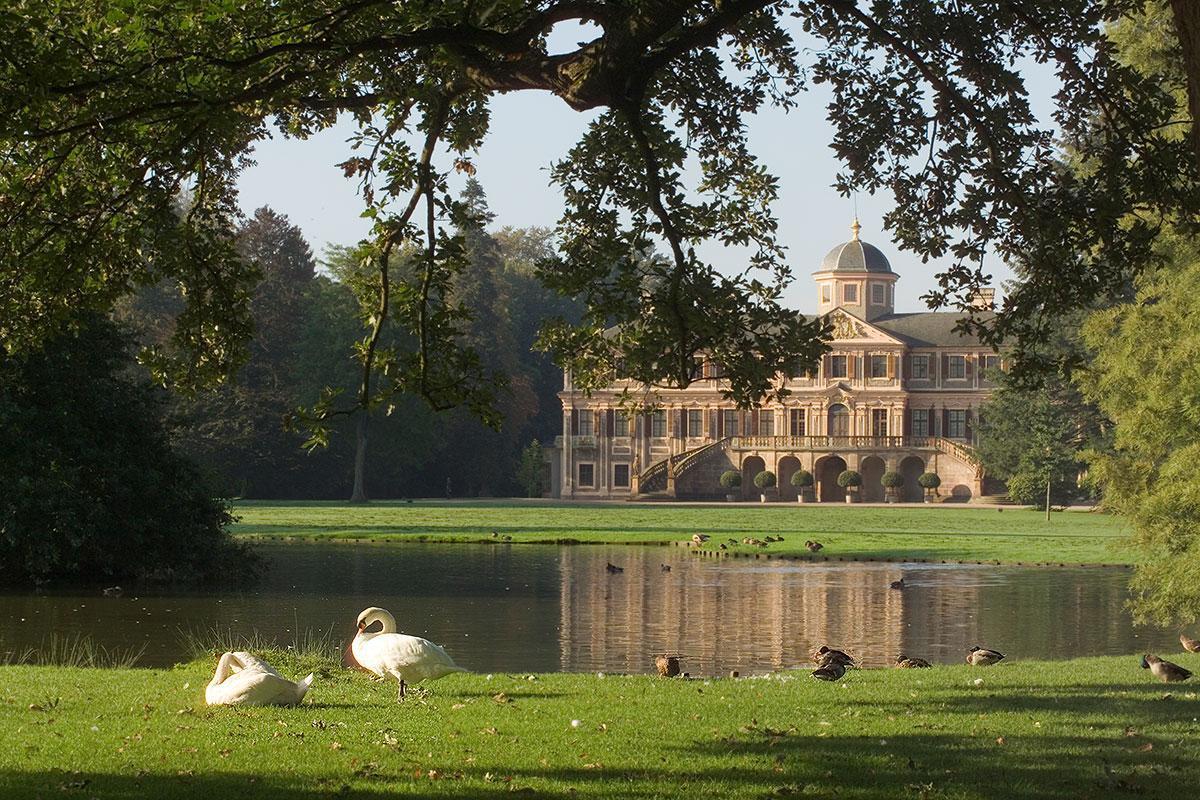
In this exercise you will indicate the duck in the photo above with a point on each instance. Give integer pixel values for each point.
(613, 569)
(667, 666)
(813, 546)
(1191, 645)
(982, 657)
(1165, 671)
(899, 585)
(408, 659)
(700, 538)
(832, 671)
(665, 567)
(825, 655)
(911, 662)
(731, 541)
(113, 591)
(244, 679)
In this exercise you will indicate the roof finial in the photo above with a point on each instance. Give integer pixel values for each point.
(855, 228)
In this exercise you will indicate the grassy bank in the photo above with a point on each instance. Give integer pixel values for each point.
(955, 534)
(1086, 728)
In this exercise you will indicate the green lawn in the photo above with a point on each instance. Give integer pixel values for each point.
(853, 532)
(1097, 727)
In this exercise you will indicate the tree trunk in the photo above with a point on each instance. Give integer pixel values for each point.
(360, 459)
(1187, 25)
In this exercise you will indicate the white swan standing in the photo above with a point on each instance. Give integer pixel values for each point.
(408, 659)
(243, 679)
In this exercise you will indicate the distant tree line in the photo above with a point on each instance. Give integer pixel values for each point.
(307, 326)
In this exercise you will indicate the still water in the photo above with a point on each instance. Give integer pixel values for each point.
(507, 608)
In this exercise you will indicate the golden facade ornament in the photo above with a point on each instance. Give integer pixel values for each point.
(844, 327)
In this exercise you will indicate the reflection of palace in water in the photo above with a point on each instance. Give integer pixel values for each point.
(769, 614)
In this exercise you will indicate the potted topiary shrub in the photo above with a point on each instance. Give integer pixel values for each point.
(802, 479)
(765, 481)
(929, 481)
(892, 481)
(850, 481)
(731, 480)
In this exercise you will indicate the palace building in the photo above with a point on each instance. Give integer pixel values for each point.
(898, 392)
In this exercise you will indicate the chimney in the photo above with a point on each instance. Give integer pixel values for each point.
(984, 298)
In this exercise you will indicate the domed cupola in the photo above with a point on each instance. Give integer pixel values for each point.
(856, 276)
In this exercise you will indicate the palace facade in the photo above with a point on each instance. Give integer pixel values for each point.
(898, 392)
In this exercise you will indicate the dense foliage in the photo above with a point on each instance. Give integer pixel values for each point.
(1145, 378)
(802, 478)
(93, 491)
(308, 323)
(108, 111)
(849, 479)
(731, 479)
(765, 479)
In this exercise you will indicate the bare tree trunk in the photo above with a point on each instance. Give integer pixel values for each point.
(360, 459)
(1187, 25)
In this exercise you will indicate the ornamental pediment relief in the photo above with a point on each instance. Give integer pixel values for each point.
(848, 328)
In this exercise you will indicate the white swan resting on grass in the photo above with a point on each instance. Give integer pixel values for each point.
(243, 679)
(408, 659)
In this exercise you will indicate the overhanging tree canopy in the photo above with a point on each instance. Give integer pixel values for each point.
(109, 110)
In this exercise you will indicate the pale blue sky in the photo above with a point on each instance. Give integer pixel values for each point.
(530, 130)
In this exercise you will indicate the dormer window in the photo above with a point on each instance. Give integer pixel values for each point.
(850, 293)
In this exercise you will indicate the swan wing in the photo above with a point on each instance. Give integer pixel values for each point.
(410, 657)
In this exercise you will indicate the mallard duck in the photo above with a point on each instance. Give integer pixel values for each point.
(829, 672)
(813, 546)
(731, 541)
(911, 662)
(982, 657)
(897, 584)
(722, 547)
(667, 666)
(825, 655)
(1191, 645)
(613, 569)
(1165, 671)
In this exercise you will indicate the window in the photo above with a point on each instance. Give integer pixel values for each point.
(879, 294)
(920, 368)
(620, 424)
(879, 422)
(879, 366)
(730, 423)
(695, 427)
(585, 423)
(799, 422)
(826, 293)
(920, 422)
(587, 475)
(766, 423)
(850, 293)
(620, 475)
(658, 424)
(837, 366)
(958, 368)
(956, 423)
(991, 363)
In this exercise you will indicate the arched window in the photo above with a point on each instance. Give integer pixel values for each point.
(839, 420)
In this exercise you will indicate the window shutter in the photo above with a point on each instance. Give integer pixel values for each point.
(945, 367)
(908, 424)
(945, 422)
(907, 366)
(969, 369)
(891, 366)
(720, 423)
(574, 421)
(681, 423)
(647, 425)
(753, 423)
(968, 428)
(610, 424)
(827, 366)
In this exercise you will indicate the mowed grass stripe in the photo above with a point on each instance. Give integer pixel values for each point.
(985, 534)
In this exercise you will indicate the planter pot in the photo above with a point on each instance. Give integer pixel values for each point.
(800, 497)
(762, 498)
(731, 498)
(851, 497)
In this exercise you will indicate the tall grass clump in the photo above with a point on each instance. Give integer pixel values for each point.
(308, 649)
(72, 650)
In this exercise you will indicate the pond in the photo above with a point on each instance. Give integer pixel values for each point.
(540, 608)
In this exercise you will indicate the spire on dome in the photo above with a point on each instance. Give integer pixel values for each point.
(854, 229)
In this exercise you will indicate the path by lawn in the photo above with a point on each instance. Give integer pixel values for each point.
(1007, 535)
(1087, 728)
